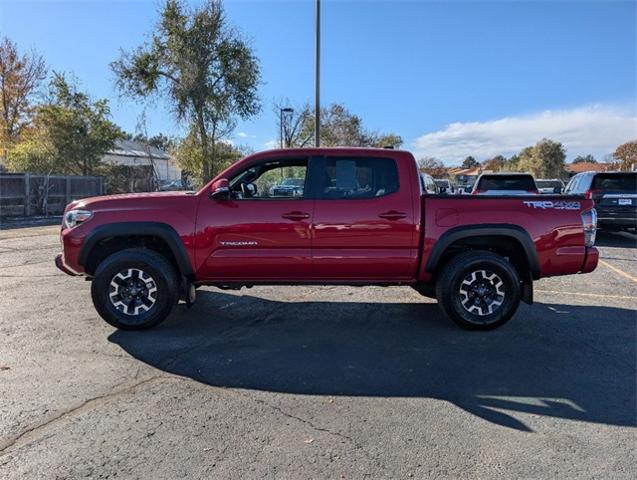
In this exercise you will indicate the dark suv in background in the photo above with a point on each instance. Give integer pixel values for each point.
(615, 196)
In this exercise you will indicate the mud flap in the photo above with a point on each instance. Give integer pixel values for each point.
(188, 292)
(527, 292)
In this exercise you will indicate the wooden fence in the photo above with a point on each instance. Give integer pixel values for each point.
(23, 194)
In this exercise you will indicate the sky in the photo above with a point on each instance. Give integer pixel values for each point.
(452, 78)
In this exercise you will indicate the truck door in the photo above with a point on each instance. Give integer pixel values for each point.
(262, 231)
(364, 226)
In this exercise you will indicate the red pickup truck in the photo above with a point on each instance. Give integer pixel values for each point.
(345, 216)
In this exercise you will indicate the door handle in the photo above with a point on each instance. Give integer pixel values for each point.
(296, 215)
(392, 215)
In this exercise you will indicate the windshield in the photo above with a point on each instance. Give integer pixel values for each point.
(293, 182)
(616, 182)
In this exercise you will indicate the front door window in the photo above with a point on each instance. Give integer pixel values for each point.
(274, 180)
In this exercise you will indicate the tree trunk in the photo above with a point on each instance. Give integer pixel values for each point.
(206, 170)
(213, 156)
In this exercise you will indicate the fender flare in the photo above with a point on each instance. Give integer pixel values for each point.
(130, 229)
(469, 231)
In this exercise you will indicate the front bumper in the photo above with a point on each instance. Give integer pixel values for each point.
(59, 262)
(590, 260)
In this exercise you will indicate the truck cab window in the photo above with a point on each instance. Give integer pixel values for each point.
(270, 180)
(358, 178)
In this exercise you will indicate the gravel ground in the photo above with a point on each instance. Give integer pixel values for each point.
(316, 382)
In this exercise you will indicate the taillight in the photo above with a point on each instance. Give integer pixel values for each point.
(589, 222)
(534, 191)
(591, 193)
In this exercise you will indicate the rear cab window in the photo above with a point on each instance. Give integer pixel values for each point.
(506, 182)
(615, 182)
(548, 183)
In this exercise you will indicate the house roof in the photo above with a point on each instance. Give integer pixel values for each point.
(587, 167)
(465, 171)
(131, 148)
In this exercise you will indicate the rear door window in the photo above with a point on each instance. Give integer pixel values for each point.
(358, 178)
(507, 182)
(616, 182)
(575, 185)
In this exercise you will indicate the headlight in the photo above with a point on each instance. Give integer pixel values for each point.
(75, 217)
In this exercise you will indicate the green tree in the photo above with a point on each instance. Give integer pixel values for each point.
(432, 166)
(626, 155)
(470, 162)
(511, 163)
(544, 160)
(385, 140)
(20, 79)
(339, 127)
(495, 164)
(160, 140)
(70, 133)
(189, 155)
(584, 159)
(209, 74)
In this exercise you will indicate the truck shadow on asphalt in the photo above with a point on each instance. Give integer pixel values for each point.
(564, 361)
(616, 239)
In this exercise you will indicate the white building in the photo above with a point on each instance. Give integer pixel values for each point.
(132, 153)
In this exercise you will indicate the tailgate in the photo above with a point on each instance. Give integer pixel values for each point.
(615, 191)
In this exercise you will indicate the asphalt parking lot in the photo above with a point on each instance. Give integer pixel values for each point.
(320, 382)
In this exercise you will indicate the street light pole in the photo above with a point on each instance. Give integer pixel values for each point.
(317, 97)
(281, 112)
(280, 128)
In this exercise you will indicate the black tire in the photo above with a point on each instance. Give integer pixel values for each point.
(124, 266)
(476, 268)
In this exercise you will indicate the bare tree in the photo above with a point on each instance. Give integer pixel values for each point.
(293, 123)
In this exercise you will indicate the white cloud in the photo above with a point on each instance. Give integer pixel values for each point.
(245, 135)
(271, 144)
(595, 129)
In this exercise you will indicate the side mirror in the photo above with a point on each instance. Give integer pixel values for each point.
(557, 190)
(220, 189)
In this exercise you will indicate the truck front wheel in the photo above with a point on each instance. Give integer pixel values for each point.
(135, 289)
(479, 290)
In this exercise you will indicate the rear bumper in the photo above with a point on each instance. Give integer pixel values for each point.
(59, 262)
(590, 260)
(618, 217)
(617, 222)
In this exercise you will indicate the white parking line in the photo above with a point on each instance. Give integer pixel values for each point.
(618, 271)
(594, 295)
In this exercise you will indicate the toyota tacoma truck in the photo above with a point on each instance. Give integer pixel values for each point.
(362, 217)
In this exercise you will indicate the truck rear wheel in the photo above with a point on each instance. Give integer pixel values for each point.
(479, 290)
(135, 289)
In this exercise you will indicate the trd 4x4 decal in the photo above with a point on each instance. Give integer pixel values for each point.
(558, 205)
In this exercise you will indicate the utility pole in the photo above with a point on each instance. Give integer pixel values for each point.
(317, 97)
